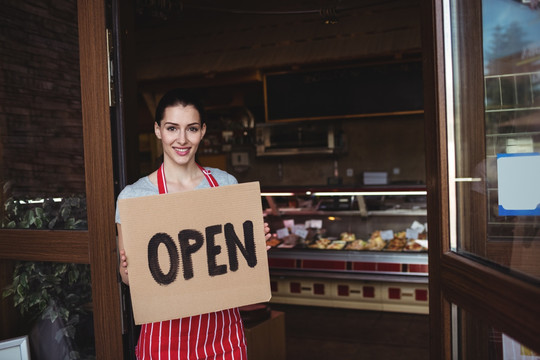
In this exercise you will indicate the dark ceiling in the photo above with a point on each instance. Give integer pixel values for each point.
(202, 38)
(157, 12)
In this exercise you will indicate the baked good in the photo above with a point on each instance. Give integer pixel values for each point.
(336, 245)
(413, 245)
(357, 244)
(375, 242)
(396, 244)
(273, 241)
(347, 236)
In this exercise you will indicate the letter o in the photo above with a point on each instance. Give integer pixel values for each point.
(153, 261)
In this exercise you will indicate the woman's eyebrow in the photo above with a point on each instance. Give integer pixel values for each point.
(176, 124)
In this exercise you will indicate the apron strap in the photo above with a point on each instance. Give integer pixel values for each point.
(162, 182)
(209, 177)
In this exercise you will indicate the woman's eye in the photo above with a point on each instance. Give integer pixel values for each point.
(171, 128)
(193, 129)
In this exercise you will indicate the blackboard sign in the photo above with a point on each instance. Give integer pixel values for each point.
(344, 92)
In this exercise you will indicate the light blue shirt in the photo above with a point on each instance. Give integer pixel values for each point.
(144, 187)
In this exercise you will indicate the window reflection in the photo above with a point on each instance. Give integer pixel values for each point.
(498, 156)
(54, 300)
(478, 339)
(512, 120)
(41, 139)
(48, 213)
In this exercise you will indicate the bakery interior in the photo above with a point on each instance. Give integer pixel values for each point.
(321, 102)
(336, 170)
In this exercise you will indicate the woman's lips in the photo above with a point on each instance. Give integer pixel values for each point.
(181, 151)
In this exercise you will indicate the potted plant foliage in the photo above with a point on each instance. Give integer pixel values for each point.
(56, 297)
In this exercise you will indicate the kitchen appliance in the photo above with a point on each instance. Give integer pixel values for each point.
(298, 138)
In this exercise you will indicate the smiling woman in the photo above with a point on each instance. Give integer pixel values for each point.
(179, 125)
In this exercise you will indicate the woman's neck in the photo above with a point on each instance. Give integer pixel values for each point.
(182, 177)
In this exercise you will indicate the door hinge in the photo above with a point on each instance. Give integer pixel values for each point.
(110, 69)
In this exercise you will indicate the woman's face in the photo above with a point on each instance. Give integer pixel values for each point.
(180, 133)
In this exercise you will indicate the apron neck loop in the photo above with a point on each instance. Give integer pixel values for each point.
(162, 181)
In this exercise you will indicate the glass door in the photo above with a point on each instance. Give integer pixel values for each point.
(483, 62)
(57, 235)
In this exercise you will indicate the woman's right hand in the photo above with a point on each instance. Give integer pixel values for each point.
(124, 267)
(123, 262)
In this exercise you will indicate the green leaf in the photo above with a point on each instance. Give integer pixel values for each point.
(21, 290)
(79, 224)
(30, 217)
(52, 222)
(39, 212)
(65, 212)
(70, 223)
(74, 355)
(63, 313)
(59, 335)
(50, 313)
(73, 276)
(23, 279)
(18, 300)
(8, 292)
(73, 298)
(11, 225)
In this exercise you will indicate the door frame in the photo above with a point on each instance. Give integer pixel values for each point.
(97, 245)
(491, 296)
(99, 179)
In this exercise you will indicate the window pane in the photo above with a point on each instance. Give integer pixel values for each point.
(41, 140)
(477, 339)
(496, 171)
(52, 303)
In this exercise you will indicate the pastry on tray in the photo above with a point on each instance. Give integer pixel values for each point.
(273, 241)
(357, 244)
(413, 245)
(396, 244)
(375, 242)
(336, 245)
(347, 236)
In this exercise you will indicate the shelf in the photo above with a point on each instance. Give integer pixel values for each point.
(421, 279)
(378, 265)
(398, 212)
(367, 190)
(312, 215)
(393, 257)
(391, 212)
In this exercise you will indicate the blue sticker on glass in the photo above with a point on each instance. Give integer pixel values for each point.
(519, 184)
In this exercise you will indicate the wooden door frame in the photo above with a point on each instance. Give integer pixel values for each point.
(99, 178)
(492, 296)
(97, 245)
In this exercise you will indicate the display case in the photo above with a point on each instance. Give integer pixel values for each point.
(363, 248)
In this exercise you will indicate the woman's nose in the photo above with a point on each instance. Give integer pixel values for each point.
(181, 138)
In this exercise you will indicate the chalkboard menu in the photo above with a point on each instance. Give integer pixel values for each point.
(344, 92)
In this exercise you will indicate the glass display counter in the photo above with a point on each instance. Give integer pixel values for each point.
(363, 248)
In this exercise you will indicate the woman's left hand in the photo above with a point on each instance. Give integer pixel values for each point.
(267, 234)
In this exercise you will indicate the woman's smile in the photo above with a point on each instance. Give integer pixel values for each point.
(181, 151)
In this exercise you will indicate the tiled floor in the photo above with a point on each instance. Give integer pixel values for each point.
(328, 333)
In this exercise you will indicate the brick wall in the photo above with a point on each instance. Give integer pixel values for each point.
(41, 142)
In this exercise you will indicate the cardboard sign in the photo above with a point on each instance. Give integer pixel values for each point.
(195, 252)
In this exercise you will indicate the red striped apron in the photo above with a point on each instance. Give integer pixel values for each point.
(217, 335)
